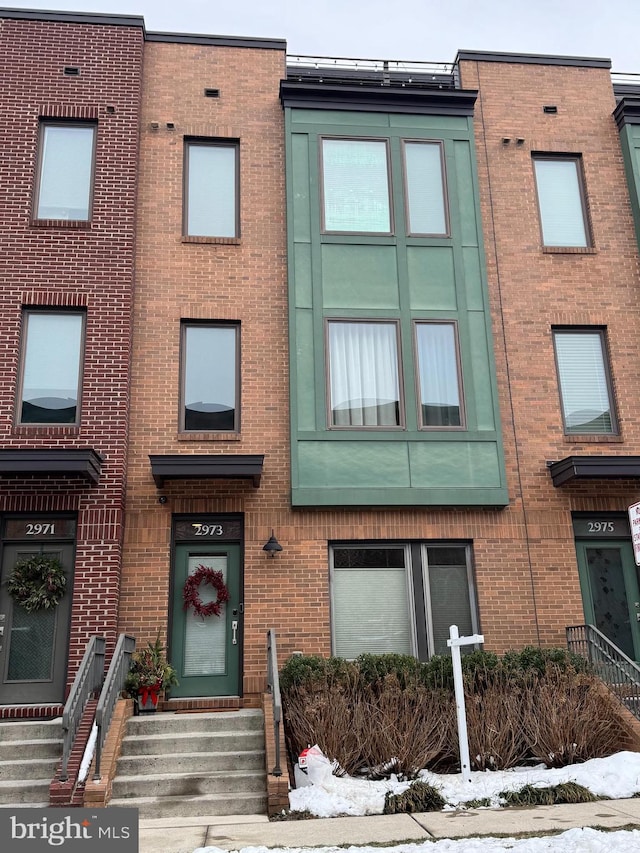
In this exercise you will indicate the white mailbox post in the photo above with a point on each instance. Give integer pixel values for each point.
(454, 642)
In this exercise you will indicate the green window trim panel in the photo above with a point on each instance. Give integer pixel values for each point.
(417, 271)
(630, 144)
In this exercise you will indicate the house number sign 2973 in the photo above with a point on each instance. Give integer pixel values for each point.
(203, 529)
(225, 529)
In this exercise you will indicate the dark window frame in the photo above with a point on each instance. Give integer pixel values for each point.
(43, 124)
(401, 425)
(209, 142)
(186, 324)
(456, 338)
(27, 312)
(381, 141)
(582, 189)
(601, 331)
(445, 191)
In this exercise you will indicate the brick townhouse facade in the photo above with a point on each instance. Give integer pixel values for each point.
(384, 319)
(69, 123)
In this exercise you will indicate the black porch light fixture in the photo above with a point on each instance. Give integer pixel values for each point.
(272, 546)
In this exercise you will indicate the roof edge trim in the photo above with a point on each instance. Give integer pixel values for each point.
(376, 98)
(100, 18)
(532, 59)
(218, 41)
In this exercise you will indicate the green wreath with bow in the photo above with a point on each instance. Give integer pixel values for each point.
(37, 583)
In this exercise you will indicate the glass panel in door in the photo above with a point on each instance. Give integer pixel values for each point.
(610, 592)
(33, 645)
(206, 650)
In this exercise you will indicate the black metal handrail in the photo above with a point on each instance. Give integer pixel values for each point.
(111, 689)
(87, 682)
(619, 673)
(273, 686)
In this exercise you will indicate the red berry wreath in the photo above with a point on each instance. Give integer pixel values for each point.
(191, 591)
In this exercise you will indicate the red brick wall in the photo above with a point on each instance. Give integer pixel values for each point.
(83, 267)
(532, 290)
(524, 555)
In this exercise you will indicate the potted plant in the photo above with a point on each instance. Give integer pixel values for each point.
(150, 674)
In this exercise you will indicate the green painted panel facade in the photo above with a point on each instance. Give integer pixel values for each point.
(630, 144)
(401, 278)
(465, 464)
(432, 283)
(353, 276)
(340, 464)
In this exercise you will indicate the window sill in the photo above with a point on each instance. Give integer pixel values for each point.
(73, 224)
(209, 436)
(46, 430)
(593, 439)
(569, 250)
(216, 241)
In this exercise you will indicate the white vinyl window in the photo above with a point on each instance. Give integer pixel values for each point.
(561, 201)
(364, 374)
(211, 189)
(51, 368)
(585, 385)
(400, 598)
(355, 186)
(65, 175)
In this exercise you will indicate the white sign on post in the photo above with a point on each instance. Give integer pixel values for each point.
(454, 644)
(634, 524)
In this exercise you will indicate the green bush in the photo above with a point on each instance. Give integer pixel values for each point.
(366, 714)
(419, 797)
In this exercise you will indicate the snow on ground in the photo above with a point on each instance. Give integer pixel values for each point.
(326, 795)
(572, 841)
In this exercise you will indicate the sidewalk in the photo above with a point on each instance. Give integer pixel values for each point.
(183, 835)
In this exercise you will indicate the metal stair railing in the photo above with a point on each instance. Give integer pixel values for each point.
(111, 689)
(609, 663)
(273, 685)
(87, 682)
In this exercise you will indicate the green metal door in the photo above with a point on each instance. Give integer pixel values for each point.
(206, 652)
(34, 645)
(610, 591)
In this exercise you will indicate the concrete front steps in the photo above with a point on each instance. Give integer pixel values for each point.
(29, 755)
(190, 765)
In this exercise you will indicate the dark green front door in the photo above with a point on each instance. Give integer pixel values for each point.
(206, 652)
(34, 645)
(610, 592)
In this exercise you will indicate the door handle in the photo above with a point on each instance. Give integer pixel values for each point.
(234, 629)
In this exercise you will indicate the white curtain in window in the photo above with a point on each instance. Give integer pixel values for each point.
(355, 185)
(425, 188)
(583, 382)
(438, 371)
(560, 202)
(365, 389)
